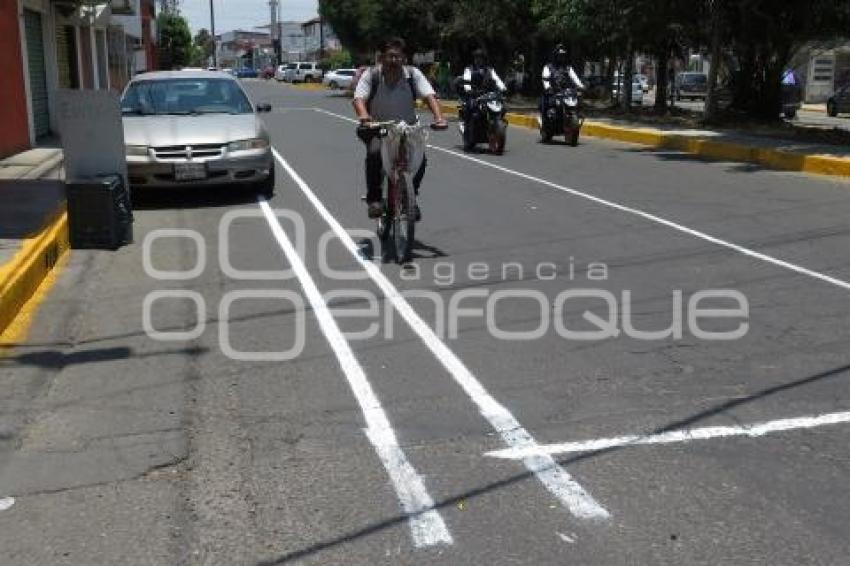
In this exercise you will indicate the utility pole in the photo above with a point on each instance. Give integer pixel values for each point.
(212, 32)
(275, 29)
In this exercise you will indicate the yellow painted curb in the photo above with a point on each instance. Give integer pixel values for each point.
(21, 277)
(309, 86)
(767, 157)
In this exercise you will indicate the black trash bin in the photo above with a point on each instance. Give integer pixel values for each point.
(100, 215)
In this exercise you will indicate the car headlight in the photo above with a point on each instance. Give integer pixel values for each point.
(254, 143)
(137, 150)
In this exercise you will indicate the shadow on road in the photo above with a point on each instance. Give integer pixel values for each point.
(56, 360)
(193, 197)
(843, 371)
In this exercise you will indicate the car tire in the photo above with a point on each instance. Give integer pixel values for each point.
(831, 109)
(265, 188)
(333, 85)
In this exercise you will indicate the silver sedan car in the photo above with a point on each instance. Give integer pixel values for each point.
(194, 128)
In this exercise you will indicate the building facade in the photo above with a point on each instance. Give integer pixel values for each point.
(318, 36)
(46, 45)
(241, 48)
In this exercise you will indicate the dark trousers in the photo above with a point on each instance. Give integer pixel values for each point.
(375, 172)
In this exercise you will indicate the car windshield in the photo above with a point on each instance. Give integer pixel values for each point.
(185, 96)
(292, 66)
(693, 79)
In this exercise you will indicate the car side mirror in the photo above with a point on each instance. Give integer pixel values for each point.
(264, 107)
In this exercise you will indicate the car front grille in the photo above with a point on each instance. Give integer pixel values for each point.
(187, 152)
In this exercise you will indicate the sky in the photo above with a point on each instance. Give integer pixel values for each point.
(244, 14)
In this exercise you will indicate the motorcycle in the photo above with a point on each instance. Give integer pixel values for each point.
(486, 125)
(562, 117)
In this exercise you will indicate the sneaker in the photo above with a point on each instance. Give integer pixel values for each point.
(376, 210)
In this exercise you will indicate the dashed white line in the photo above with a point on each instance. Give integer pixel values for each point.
(6, 503)
(676, 436)
(426, 525)
(646, 215)
(551, 475)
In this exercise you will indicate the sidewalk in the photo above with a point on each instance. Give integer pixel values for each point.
(770, 152)
(33, 226)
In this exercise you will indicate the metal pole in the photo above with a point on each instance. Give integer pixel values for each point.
(212, 33)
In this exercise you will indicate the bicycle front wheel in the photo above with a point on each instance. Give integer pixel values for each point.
(404, 219)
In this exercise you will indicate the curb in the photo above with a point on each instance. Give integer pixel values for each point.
(767, 157)
(48, 166)
(21, 277)
(309, 86)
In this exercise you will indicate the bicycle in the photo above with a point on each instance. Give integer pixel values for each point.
(402, 152)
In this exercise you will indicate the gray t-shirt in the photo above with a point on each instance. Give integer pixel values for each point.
(393, 102)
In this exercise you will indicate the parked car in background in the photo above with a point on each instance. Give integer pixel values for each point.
(839, 102)
(339, 79)
(246, 73)
(637, 89)
(194, 128)
(644, 82)
(281, 71)
(304, 72)
(691, 86)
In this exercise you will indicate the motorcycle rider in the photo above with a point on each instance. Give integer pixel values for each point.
(477, 79)
(388, 91)
(555, 75)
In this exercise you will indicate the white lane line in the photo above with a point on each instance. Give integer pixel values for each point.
(676, 436)
(6, 503)
(646, 215)
(426, 525)
(553, 476)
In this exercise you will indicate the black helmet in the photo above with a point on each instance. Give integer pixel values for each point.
(479, 53)
(559, 54)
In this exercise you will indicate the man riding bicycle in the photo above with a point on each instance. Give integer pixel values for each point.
(386, 92)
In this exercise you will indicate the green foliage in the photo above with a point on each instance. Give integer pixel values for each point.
(175, 41)
(758, 37)
(202, 48)
(338, 60)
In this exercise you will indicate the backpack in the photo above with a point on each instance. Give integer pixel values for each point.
(375, 76)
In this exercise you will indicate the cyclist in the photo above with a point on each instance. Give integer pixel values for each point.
(388, 91)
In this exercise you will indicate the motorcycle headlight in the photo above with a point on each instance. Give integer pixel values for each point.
(137, 150)
(494, 106)
(572, 101)
(242, 145)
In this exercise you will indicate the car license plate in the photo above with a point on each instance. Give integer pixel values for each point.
(190, 171)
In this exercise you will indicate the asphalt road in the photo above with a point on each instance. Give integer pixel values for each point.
(124, 446)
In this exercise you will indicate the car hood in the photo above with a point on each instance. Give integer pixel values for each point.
(159, 131)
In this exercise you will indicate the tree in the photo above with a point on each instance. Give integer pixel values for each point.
(362, 24)
(764, 35)
(175, 41)
(202, 48)
(337, 60)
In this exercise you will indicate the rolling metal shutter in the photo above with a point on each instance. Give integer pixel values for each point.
(37, 73)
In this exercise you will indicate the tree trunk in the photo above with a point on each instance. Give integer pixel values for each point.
(626, 76)
(713, 72)
(662, 58)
